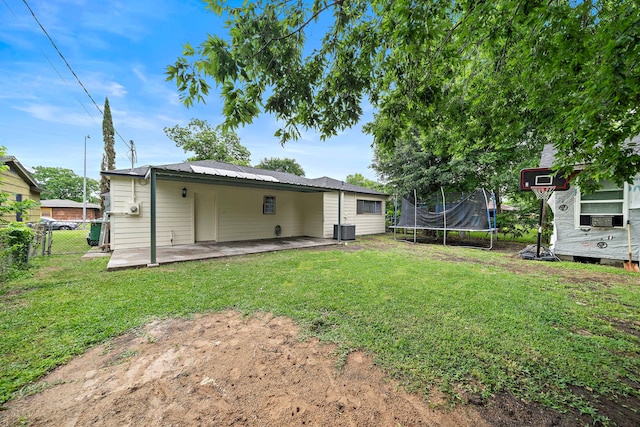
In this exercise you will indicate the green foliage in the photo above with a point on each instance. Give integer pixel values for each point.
(206, 143)
(409, 166)
(494, 325)
(281, 165)
(14, 207)
(62, 183)
(359, 179)
(109, 155)
(15, 242)
(496, 79)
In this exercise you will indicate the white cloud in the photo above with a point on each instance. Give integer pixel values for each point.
(59, 115)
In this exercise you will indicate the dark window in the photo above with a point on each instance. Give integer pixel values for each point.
(269, 205)
(18, 214)
(371, 207)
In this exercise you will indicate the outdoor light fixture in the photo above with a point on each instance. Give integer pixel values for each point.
(184, 192)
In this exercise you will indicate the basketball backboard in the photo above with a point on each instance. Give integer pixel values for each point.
(542, 177)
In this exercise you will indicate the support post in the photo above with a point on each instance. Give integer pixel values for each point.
(339, 216)
(153, 262)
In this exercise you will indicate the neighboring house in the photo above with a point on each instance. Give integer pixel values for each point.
(20, 185)
(208, 201)
(593, 226)
(68, 210)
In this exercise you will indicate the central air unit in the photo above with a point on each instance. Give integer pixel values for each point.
(133, 209)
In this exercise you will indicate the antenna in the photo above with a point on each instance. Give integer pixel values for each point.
(131, 155)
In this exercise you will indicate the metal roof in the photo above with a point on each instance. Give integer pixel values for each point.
(60, 203)
(230, 174)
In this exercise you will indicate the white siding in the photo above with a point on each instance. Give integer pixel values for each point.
(369, 223)
(237, 213)
(174, 214)
(129, 231)
(365, 224)
(313, 213)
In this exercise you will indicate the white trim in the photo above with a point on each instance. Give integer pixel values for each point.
(625, 207)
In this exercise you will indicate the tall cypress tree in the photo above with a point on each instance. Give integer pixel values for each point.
(109, 156)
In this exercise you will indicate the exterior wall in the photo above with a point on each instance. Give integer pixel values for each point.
(570, 240)
(69, 214)
(240, 214)
(365, 223)
(13, 184)
(237, 211)
(129, 231)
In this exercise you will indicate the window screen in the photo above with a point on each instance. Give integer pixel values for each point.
(373, 207)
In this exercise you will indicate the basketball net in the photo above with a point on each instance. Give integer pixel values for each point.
(543, 193)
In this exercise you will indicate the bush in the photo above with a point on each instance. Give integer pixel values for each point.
(15, 241)
(517, 224)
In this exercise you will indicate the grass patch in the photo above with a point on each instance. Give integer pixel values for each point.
(487, 325)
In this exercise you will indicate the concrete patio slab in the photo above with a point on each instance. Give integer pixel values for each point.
(141, 257)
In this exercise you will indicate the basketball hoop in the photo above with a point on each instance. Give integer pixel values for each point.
(543, 193)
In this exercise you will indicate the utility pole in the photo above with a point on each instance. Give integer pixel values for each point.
(84, 186)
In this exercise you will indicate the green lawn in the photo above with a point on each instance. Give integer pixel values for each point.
(461, 320)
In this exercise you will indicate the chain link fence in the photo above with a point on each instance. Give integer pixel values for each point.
(50, 241)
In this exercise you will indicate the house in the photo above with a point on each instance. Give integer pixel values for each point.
(209, 201)
(18, 183)
(68, 210)
(592, 227)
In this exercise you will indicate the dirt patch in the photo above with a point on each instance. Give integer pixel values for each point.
(223, 369)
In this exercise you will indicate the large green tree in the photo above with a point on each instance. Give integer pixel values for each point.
(206, 143)
(360, 180)
(281, 165)
(109, 155)
(471, 76)
(62, 183)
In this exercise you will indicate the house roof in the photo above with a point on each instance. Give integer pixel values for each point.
(548, 155)
(60, 203)
(26, 176)
(220, 172)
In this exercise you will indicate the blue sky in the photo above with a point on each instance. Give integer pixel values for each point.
(119, 49)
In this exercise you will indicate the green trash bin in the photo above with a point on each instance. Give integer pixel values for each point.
(93, 238)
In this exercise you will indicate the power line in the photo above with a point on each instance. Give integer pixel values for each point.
(71, 70)
(61, 56)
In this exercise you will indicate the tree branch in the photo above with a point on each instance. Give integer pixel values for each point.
(297, 30)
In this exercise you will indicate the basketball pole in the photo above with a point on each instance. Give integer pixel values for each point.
(539, 244)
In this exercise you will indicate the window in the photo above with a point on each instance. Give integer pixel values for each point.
(371, 207)
(269, 205)
(18, 214)
(603, 208)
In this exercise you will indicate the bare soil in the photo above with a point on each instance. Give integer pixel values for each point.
(225, 369)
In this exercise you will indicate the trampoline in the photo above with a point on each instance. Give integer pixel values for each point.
(445, 212)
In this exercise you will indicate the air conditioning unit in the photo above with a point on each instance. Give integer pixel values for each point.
(133, 209)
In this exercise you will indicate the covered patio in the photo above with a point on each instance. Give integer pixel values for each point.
(140, 257)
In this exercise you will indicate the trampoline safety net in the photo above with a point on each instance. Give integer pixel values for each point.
(473, 211)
